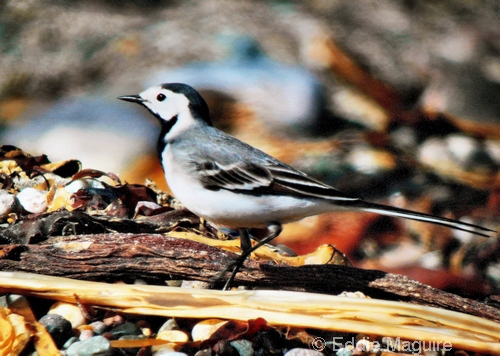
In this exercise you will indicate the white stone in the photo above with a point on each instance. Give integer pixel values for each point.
(70, 312)
(204, 329)
(33, 200)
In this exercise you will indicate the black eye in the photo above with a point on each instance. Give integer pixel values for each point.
(161, 97)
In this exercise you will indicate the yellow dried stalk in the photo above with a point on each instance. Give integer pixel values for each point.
(324, 254)
(319, 311)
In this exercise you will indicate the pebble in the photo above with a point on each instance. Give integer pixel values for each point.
(33, 200)
(244, 347)
(493, 149)
(353, 295)
(8, 204)
(457, 152)
(169, 353)
(303, 352)
(195, 284)
(370, 161)
(364, 346)
(163, 349)
(114, 320)
(69, 311)
(461, 146)
(469, 152)
(204, 329)
(58, 327)
(434, 151)
(99, 327)
(140, 282)
(70, 342)
(224, 348)
(147, 332)
(270, 340)
(86, 334)
(170, 324)
(78, 184)
(127, 328)
(95, 346)
(405, 138)
(174, 283)
(204, 352)
(173, 335)
(344, 352)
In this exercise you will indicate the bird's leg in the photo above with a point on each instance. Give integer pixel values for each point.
(247, 249)
(245, 240)
(244, 243)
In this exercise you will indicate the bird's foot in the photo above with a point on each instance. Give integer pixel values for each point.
(235, 266)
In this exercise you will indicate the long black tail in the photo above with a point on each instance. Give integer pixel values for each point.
(413, 215)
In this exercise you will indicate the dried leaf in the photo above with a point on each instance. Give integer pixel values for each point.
(23, 334)
(119, 201)
(148, 208)
(300, 335)
(94, 173)
(59, 198)
(24, 160)
(231, 330)
(7, 334)
(44, 344)
(63, 169)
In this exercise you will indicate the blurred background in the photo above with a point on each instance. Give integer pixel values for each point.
(395, 101)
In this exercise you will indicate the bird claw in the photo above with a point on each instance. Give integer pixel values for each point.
(235, 265)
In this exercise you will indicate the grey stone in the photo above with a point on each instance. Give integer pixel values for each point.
(58, 327)
(244, 347)
(303, 352)
(127, 328)
(95, 346)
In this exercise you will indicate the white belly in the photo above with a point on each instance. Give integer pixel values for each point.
(234, 210)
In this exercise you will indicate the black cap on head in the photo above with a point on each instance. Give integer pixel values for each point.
(197, 104)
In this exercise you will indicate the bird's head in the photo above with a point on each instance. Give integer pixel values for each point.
(174, 105)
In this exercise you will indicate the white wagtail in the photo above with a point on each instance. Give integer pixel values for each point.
(232, 184)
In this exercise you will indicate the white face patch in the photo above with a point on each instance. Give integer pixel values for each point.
(165, 103)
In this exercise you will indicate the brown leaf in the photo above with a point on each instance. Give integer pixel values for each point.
(63, 169)
(235, 329)
(120, 201)
(148, 208)
(24, 160)
(94, 173)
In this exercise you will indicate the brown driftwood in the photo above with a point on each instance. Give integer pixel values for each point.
(156, 258)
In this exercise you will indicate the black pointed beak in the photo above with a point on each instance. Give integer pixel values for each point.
(132, 98)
